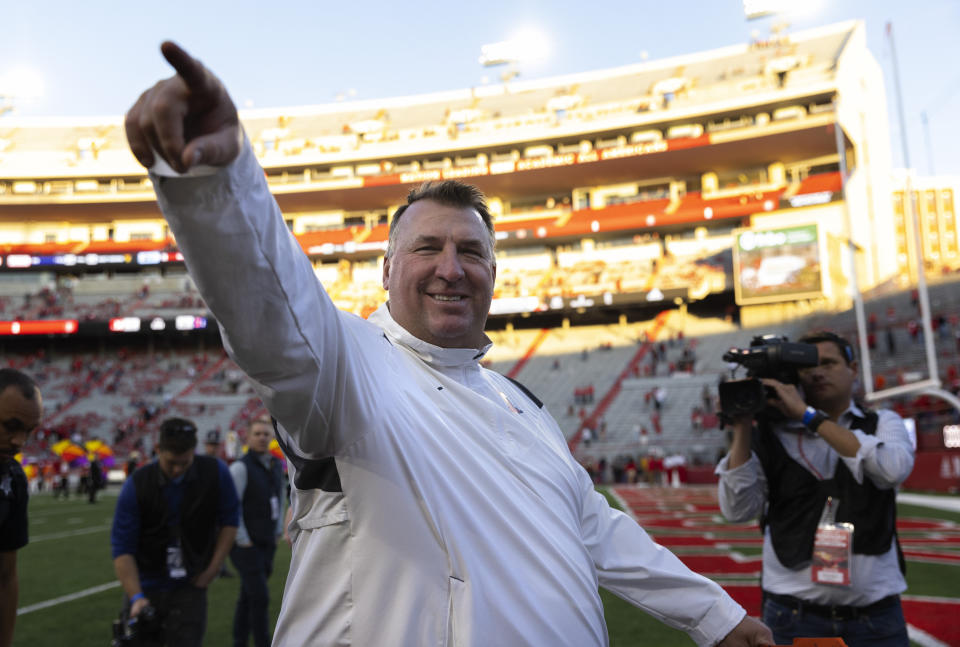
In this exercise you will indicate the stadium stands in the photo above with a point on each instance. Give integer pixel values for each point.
(598, 377)
(620, 197)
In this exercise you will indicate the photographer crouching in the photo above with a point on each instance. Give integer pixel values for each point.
(821, 472)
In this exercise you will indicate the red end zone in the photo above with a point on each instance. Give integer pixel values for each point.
(687, 520)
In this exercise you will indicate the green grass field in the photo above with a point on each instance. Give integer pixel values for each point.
(69, 553)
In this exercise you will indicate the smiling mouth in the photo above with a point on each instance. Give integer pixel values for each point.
(448, 298)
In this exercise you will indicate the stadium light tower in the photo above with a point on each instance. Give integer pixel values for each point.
(754, 9)
(527, 46)
(19, 84)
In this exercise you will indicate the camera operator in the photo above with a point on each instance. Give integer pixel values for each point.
(814, 450)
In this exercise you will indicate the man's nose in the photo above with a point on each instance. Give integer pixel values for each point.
(448, 265)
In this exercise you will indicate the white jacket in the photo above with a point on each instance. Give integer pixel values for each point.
(462, 518)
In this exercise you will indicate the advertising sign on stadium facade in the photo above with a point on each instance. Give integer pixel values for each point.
(582, 302)
(781, 264)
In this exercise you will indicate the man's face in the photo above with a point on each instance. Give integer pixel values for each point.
(18, 418)
(830, 382)
(259, 436)
(174, 465)
(440, 275)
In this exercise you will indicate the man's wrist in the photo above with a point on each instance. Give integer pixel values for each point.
(136, 596)
(813, 418)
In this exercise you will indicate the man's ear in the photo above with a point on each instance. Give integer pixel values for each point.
(386, 273)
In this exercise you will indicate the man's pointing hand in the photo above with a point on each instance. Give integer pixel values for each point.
(188, 119)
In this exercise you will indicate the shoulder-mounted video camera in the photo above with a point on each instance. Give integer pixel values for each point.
(769, 356)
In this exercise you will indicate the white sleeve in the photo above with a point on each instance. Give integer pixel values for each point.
(238, 472)
(741, 491)
(277, 322)
(632, 566)
(887, 456)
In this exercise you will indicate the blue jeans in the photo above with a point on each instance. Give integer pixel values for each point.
(254, 564)
(878, 628)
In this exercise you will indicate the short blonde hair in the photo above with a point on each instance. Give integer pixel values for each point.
(451, 193)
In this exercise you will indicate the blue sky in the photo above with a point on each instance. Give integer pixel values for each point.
(94, 58)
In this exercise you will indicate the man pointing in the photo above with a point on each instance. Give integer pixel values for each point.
(434, 501)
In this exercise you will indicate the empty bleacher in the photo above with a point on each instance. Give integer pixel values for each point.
(577, 357)
(101, 394)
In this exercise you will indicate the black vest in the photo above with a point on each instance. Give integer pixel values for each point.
(262, 484)
(796, 500)
(198, 517)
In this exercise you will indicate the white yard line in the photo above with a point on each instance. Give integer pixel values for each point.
(68, 533)
(46, 513)
(922, 638)
(625, 507)
(930, 501)
(67, 598)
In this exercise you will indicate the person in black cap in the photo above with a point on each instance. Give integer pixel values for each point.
(175, 522)
(212, 445)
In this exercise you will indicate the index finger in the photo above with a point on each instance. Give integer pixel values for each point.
(188, 68)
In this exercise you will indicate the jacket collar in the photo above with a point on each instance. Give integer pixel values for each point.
(433, 355)
(853, 411)
(265, 459)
